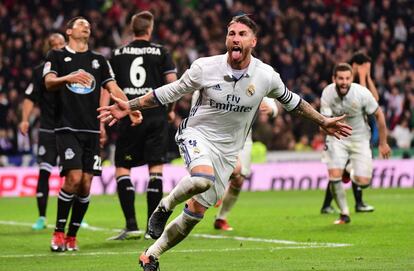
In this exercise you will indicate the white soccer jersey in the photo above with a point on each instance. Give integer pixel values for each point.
(226, 107)
(356, 104)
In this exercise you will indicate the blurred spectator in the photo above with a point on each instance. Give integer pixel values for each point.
(303, 144)
(403, 135)
(300, 39)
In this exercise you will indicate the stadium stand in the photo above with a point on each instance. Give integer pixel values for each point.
(300, 39)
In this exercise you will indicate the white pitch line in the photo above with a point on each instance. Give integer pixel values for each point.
(209, 236)
(107, 253)
(274, 241)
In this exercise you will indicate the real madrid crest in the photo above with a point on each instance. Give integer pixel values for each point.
(250, 90)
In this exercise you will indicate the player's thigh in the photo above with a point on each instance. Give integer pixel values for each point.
(47, 151)
(361, 159)
(92, 161)
(223, 166)
(129, 145)
(245, 157)
(194, 149)
(336, 153)
(156, 141)
(70, 151)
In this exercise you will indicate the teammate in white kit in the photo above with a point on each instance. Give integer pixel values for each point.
(231, 86)
(356, 102)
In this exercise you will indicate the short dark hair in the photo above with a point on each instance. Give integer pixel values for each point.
(246, 20)
(141, 22)
(360, 58)
(71, 22)
(341, 67)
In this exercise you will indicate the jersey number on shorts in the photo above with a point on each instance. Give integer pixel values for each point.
(137, 73)
(97, 165)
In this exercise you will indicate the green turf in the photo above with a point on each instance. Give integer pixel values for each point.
(383, 240)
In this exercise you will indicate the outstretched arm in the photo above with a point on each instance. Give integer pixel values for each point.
(122, 108)
(331, 126)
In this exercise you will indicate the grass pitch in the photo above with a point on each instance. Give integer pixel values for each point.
(273, 231)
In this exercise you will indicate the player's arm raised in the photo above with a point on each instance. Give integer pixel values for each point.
(189, 82)
(331, 126)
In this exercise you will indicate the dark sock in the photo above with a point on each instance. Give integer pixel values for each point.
(126, 194)
(80, 206)
(154, 193)
(328, 197)
(42, 191)
(65, 200)
(357, 193)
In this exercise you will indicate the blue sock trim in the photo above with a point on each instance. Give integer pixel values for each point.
(207, 176)
(194, 215)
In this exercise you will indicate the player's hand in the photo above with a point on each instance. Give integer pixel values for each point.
(384, 150)
(135, 117)
(335, 127)
(112, 113)
(80, 77)
(24, 127)
(265, 109)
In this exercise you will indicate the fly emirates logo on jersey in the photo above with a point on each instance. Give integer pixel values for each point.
(80, 88)
(232, 103)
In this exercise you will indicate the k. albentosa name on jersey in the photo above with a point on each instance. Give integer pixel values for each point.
(138, 51)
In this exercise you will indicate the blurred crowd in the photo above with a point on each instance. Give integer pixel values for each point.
(301, 39)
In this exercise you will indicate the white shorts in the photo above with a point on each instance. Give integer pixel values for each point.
(245, 156)
(338, 152)
(196, 151)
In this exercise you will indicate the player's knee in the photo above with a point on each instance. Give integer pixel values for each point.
(202, 182)
(190, 220)
(236, 181)
(362, 182)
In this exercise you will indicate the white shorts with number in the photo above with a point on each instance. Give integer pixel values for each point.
(196, 151)
(338, 152)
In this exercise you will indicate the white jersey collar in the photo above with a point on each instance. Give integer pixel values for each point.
(70, 50)
(227, 68)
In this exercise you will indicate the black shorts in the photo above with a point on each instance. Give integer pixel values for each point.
(146, 143)
(47, 151)
(79, 151)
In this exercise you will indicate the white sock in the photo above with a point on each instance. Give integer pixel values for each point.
(174, 233)
(339, 195)
(229, 199)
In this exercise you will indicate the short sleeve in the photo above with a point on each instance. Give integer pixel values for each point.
(51, 64)
(32, 92)
(106, 71)
(168, 65)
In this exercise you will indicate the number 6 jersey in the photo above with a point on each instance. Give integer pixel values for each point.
(148, 64)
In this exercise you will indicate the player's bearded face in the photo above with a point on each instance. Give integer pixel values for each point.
(342, 80)
(240, 42)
